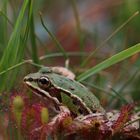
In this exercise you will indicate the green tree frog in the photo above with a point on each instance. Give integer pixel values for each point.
(61, 90)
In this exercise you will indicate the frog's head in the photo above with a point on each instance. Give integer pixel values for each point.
(39, 79)
(39, 83)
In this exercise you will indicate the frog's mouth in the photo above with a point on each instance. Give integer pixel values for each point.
(40, 92)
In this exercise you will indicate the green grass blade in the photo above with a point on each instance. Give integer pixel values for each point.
(13, 52)
(3, 25)
(110, 61)
(32, 35)
(13, 43)
(78, 24)
(53, 38)
(6, 18)
(118, 95)
(52, 55)
(108, 38)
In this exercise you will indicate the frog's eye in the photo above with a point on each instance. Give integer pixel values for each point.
(44, 82)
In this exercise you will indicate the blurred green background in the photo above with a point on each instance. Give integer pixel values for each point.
(77, 28)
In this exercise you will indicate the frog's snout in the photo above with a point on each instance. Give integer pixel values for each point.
(28, 79)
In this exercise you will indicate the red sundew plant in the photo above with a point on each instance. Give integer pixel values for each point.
(28, 116)
(99, 127)
(124, 116)
(34, 122)
(17, 104)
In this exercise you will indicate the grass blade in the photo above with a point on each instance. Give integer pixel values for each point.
(32, 35)
(108, 38)
(110, 61)
(53, 38)
(3, 27)
(78, 24)
(13, 52)
(52, 55)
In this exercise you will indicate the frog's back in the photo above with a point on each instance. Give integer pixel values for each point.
(76, 88)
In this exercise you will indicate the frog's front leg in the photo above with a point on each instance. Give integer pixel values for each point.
(75, 102)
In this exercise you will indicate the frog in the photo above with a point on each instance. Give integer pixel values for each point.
(62, 90)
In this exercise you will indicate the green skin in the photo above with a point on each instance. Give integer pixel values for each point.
(63, 91)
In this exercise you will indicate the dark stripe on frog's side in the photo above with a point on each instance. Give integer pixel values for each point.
(76, 91)
(84, 109)
(55, 91)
